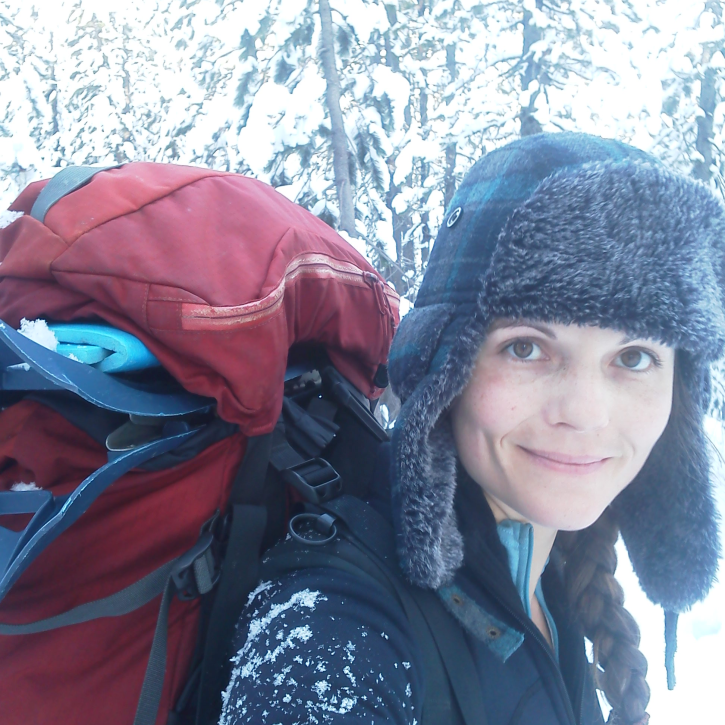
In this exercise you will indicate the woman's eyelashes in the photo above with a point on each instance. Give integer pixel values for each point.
(634, 355)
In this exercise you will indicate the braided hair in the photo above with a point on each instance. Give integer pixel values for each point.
(597, 597)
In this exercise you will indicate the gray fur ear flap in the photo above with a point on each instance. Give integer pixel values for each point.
(667, 515)
(430, 547)
(415, 342)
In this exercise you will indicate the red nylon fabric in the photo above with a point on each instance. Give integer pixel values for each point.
(218, 274)
(92, 672)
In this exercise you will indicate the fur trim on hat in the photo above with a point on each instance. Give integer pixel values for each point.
(417, 339)
(667, 516)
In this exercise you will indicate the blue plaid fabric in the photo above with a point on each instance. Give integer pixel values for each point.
(498, 183)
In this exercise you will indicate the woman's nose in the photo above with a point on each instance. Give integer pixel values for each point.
(580, 398)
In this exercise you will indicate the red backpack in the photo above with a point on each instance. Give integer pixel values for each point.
(125, 496)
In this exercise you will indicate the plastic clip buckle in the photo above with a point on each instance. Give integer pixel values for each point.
(196, 572)
(315, 479)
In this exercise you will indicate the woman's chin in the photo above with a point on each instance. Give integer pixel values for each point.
(571, 520)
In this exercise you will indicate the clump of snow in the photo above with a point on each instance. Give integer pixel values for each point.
(350, 676)
(8, 217)
(321, 687)
(261, 587)
(38, 331)
(20, 486)
(246, 662)
(19, 366)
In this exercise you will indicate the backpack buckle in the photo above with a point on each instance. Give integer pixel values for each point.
(196, 572)
(315, 479)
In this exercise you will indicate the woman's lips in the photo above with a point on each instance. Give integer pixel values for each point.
(563, 463)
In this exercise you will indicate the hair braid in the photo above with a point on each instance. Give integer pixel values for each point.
(598, 600)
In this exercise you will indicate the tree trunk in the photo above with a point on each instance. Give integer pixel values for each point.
(54, 96)
(529, 123)
(340, 158)
(401, 222)
(449, 180)
(707, 101)
(425, 234)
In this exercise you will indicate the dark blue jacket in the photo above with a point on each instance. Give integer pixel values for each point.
(320, 646)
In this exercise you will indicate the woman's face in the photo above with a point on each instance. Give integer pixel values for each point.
(564, 391)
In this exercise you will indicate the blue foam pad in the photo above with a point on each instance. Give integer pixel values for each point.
(106, 348)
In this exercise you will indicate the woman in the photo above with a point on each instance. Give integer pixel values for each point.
(554, 378)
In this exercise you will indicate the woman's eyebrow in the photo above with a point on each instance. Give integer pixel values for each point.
(504, 324)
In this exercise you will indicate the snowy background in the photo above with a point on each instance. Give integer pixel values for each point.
(426, 87)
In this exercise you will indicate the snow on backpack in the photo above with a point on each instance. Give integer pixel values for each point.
(218, 349)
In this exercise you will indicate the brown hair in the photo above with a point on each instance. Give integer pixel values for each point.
(597, 597)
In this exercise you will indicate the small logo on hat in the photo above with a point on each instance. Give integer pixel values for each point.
(454, 216)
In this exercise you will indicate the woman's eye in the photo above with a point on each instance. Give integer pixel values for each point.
(638, 357)
(522, 349)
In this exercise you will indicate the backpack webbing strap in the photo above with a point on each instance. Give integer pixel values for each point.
(63, 183)
(376, 535)
(164, 579)
(54, 515)
(153, 680)
(239, 572)
(115, 605)
(439, 705)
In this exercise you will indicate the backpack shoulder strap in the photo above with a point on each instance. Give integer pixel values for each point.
(365, 547)
(288, 556)
(364, 524)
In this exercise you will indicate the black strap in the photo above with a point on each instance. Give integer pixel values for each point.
(63, 183)
(372, 532)
(456, 656)
(239, 574)
(439, 705)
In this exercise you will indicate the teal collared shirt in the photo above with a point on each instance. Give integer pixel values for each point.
(518, 540)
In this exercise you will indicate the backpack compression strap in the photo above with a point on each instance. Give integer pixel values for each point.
(63, 183)
(268, 462)
(239, 574)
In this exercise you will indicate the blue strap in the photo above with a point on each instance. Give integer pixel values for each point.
(54, 514)
(670, 646)
(63, 183)
(106, 391)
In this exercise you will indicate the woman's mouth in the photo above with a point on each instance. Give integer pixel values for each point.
(565, 464)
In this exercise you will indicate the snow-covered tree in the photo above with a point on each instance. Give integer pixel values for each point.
(425, 88)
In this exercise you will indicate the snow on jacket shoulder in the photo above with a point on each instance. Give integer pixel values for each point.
(318, 646)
